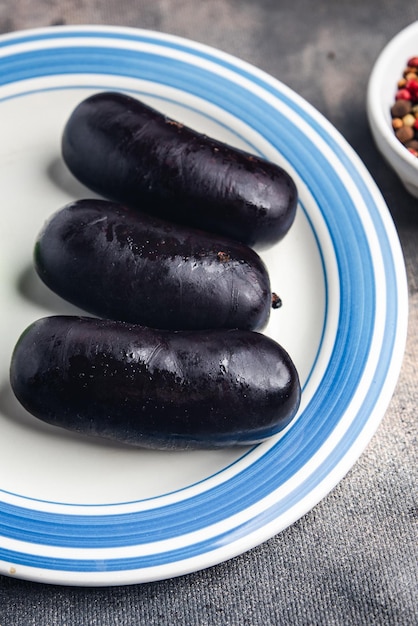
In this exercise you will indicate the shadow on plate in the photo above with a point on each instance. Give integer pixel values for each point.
(61, 177)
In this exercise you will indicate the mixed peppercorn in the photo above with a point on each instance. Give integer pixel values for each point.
(405, 109)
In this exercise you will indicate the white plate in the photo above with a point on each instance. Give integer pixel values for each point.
(78, 511)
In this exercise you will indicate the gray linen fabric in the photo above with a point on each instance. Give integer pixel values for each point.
(353, 558)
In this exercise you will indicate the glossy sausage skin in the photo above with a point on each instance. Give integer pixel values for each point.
(118, 263)
(131, 153)
(155, 389)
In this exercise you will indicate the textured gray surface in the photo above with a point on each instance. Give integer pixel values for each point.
(353, 558)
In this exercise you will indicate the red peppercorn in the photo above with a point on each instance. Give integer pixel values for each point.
(412, 87)
(413, 62)
(403, 94)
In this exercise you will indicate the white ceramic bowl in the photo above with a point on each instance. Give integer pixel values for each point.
(380, 97)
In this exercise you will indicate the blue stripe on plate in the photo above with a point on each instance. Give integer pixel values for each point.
(356, 323)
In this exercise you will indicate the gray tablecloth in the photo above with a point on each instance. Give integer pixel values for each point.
(353, 558)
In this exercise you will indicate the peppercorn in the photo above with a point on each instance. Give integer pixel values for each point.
(401, 108)
(413, 144)
(409, 70)
(403, 94)
(408, 120)
(404, 134)
(412, 87)
(404, 110)
(397, 123)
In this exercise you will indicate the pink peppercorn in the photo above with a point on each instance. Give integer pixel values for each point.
(413, 62)
(412, 87)
(403, 94)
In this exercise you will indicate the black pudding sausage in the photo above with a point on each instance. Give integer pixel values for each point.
(115, 262)
(130, 153)
(155, 389)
